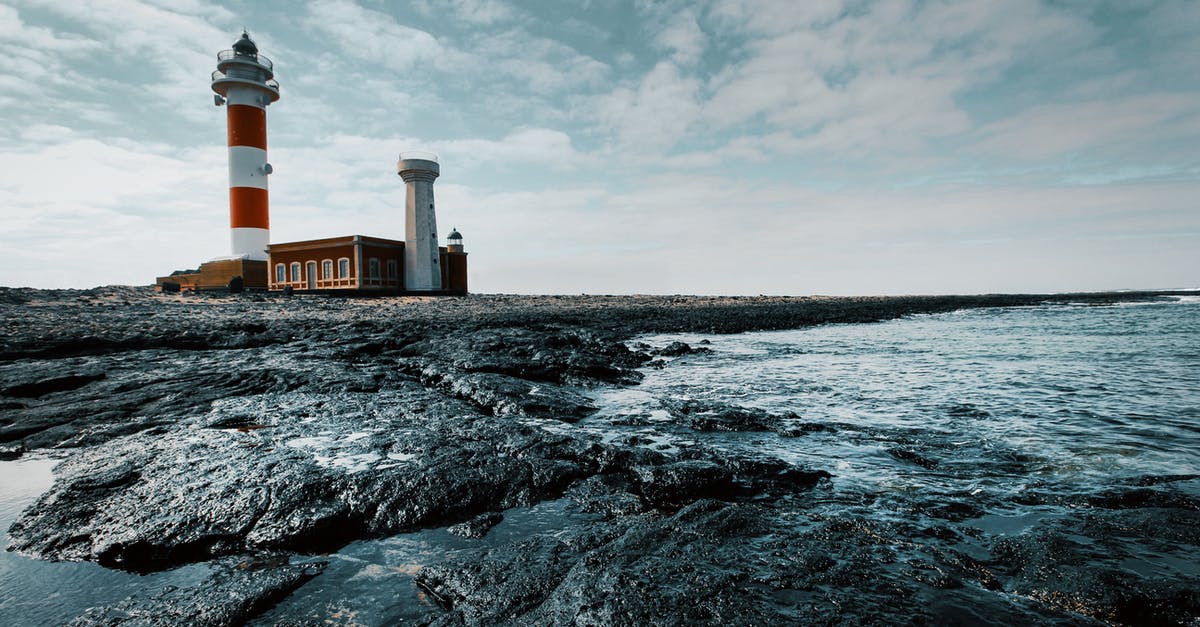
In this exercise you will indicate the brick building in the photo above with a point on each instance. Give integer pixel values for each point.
(357, 262)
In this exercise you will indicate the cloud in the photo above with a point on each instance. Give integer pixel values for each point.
(658, 113)
(1130, 127)
(684, 234)
(682, 38)
(124, 206)
(156, 53)
(376, 37)
(477, 12)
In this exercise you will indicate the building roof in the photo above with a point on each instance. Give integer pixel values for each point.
(245, 45)
(333, 241)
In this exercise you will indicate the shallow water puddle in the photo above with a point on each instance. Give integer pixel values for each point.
(371, 582)
(48, 593)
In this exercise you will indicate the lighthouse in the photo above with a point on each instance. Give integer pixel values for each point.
(422, 256)
(244, 82)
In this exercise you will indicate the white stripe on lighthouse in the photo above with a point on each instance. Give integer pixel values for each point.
(238, 95)
(246, 167)
(249, 242)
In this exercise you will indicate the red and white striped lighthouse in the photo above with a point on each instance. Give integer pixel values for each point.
(244, 81)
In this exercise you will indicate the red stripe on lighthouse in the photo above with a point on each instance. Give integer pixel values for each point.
(248, 208)
(247, 126)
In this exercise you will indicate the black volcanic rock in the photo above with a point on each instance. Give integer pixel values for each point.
(478, 526)
(702, 416)
(682, 482)
(385, 463)
(205, 426)
(237, 591)
(36, 389)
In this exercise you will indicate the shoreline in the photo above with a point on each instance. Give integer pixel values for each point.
(221, 429)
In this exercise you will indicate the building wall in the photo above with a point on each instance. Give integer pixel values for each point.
(383, 253)
(455, 265)
(215, 275)
(358, 254)
(320, 280)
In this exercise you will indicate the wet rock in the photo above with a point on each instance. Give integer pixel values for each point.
(11, 452)
(714, 417)
(770, 477)
(1128, 498)
(237, 591)
(502, 395)
(609, 495)
(385, 464)
(674, 349)
(37, 389)
(679, 483)
(478, 526)
(264, 423)
(530, 570)
(710, 562)
(1059, 568)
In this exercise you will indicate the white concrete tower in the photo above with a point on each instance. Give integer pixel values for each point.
(244, 80)
(422, 263)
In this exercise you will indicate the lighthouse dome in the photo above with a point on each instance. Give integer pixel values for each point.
(454, 234)
(245, 45)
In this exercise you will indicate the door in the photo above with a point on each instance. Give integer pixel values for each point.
(311, 271)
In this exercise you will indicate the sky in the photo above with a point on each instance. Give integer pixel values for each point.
(626, 146)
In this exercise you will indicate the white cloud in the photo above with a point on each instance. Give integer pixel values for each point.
(678, 234)
(728, 146)
(1132, 127)
(658, 113)
(882, 79)
(376, 37)
(683, 38)
(482, 12)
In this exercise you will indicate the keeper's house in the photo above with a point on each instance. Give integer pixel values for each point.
(360, 263)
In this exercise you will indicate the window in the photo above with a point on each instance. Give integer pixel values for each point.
(373, 268)
(343, 268)
(392, 267)
(327, 269)
(295, 270)
(280, 273)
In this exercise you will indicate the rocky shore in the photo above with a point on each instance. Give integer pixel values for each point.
(263, 430)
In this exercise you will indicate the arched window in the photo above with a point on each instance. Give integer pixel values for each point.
(392, 269)
(280, 273)
(343, 268)
(373, 268)
(327, 269)
(295, 270)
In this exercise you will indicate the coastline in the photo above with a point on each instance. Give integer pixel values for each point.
(231, 428)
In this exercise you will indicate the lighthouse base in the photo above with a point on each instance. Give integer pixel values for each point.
(216, 275)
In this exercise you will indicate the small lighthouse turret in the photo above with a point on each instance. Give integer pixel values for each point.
(244, 81)
(454, 243)
(422, 257)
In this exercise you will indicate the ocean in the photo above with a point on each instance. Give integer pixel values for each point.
(982, 424)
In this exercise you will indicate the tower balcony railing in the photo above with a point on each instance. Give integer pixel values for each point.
(218, 75)
(226, 55)
(418, 154)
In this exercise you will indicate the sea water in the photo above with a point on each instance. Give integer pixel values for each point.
(1072, 397)
(978, 407)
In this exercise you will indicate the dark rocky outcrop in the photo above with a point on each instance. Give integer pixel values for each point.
(237, 591)
(205, 427)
